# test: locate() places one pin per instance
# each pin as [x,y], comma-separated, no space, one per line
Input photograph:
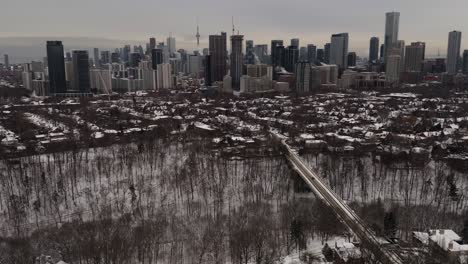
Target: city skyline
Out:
[254,23]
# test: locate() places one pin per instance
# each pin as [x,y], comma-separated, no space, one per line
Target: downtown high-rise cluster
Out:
[226,67]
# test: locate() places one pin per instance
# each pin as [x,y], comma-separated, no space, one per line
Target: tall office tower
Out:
[105,57]
[135,59]
[326,53]
[339,50]
[152,44]
[291,57]
[115,57]
[401,47]
[171,44]
[393,67]
[68,56]
[392,22]
[382,51]
[56,64]
[262,52]
[295,43]
[311,53]
[6,61]
[97,63]
[218,56]
[280,57]
[414,57]
[274,44]
[164,80]
[260,71]
[156,58]
[465,61]
[320,55]
[81,71]
[352,57]
[303,54]
[236,60]
[303,72]
[374,49]
[126,53]
[249,52]
[453,51]
[207,68]
[205,52]
[420,44]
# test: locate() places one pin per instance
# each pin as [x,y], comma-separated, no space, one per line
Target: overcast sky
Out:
[261,20]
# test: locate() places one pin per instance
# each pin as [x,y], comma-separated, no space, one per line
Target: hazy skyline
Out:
[260,20]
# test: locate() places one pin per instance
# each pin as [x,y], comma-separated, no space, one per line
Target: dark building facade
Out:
[156,58]
[326,53]
[374,49]
[218,56]
[465,62]
[207,67]
[135,59]
[81,71]
[311,53]
[352,59]
[56,64]
[320,55]
[291,58]
[115,57]
[105,57]
[274,45]
[249,52]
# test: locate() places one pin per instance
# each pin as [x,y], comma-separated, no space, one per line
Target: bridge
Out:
[341,209]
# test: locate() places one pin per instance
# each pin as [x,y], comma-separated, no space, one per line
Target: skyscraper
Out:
[81,71]
[453,51]
[152,44]
[125,53]
[326,53]
[218,56]
[262,52]
[115,57]
[339,50]
[311,53]
[236,60]
[303,53]
[352,57]
[105,57]
[303,72]
[392,23]
[320,55]
[171,44]
[56,64]
[420,44]
[295,43]
[97,63]
[274,44]
[135,59]
[465,61]
[291,56]
[279,57]
[249,52]
[156,58]
[6,61]
[382,51]
[414,57]
[207,69]
[374,49]
[401,47]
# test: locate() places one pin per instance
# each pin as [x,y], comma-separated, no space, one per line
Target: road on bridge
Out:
[343,211]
